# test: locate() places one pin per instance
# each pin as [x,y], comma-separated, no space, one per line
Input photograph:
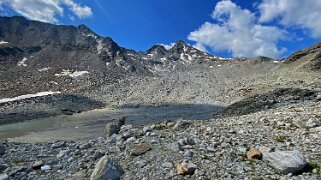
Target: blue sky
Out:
[274,28]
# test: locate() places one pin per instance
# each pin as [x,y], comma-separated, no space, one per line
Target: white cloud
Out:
[304,13]
[168,46]
[200,47]
[46,10]
[80,11]
[238,32]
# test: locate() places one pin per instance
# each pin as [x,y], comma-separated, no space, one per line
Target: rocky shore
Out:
[278,143]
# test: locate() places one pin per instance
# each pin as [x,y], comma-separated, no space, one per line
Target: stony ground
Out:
[213,149]
[278,120]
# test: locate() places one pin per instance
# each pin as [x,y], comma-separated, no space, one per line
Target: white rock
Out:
[286,161]
[45,168]
[311,123]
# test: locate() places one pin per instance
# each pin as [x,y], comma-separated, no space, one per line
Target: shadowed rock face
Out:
[46,106]
[268,100]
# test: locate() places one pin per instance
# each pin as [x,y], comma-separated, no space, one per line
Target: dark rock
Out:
[3,167]
[2,149]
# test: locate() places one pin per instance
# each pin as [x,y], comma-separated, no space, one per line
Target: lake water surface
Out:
[91,124]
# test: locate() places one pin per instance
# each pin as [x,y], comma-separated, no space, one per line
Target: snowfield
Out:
[28,96]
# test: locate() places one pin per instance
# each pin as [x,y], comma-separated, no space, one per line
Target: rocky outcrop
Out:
[306,59]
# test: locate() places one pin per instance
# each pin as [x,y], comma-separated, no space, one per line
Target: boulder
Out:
[4,177]
[45,168]
[312,123]
[254,153]
[107,169]
[114,127]
[140,149]
[37,164]
[286,161]
[186,168]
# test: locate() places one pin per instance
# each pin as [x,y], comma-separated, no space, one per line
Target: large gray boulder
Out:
[107,169]
[285,161]
[114,127]
[4,177]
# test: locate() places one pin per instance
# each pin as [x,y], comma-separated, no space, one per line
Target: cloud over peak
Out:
[236,30]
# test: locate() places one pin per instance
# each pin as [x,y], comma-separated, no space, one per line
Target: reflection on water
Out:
[91,124]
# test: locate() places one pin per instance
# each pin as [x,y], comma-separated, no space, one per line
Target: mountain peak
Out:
[180,47]
[181,43]
[158,50]
[84,28]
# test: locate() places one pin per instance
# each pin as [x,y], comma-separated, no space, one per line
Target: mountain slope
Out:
[309,58]
[37,56]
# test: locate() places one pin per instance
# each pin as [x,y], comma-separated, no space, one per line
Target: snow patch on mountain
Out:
[99,46]
[28,96]
[72,74]
[90,35]
[44,69]
[3,42]
[22,62]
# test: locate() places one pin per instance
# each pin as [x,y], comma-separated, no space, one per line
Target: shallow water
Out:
[91,124]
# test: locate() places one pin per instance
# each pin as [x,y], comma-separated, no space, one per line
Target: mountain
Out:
[37,56]
[309,58]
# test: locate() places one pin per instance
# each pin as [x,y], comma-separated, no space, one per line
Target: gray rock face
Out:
[286,161]
[107,169]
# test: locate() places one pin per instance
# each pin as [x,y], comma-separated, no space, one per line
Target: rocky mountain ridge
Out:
[67,58]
